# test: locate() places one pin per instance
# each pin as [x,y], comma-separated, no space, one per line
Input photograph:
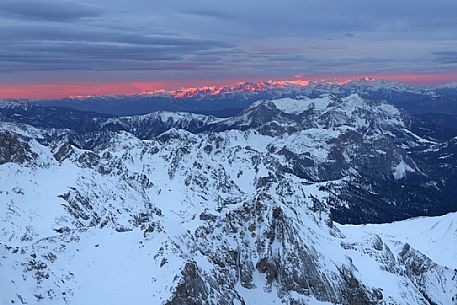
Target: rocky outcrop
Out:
[14,149]
[191,289]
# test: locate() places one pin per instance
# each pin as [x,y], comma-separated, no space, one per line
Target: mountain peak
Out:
[184,200]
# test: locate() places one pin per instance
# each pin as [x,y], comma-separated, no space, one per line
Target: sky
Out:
[52,48]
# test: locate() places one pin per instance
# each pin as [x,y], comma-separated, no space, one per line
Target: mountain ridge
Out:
[231,100]
[182,208]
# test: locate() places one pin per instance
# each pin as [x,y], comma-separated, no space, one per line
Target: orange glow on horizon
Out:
[74,89]
[190,88]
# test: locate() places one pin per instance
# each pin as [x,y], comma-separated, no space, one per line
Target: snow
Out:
[435,237]
[259,296]
[452,85]
[399,170]
[125,261]
[179,178]
[289,105]
[29,191]
[164,116]
[419,139]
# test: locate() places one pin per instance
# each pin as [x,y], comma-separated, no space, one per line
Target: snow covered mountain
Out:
[182,208]
[435,237]
[225,101]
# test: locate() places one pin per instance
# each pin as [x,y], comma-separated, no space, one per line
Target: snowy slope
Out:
[435,237]
[239,211]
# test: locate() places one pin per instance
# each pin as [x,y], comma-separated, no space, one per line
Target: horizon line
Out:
[85,89]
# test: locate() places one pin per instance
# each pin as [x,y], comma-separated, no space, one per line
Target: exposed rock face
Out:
[14,149]
[186,209]
[191,290]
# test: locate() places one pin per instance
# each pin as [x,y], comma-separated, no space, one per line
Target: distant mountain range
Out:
[224,101]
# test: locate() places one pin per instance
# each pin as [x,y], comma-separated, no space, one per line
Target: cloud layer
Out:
[181,40]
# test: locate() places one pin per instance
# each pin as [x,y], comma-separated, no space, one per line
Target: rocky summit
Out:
[269,206]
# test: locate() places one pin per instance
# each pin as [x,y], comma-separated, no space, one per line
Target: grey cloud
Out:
[446,57]
[277,57]
[69,34]
[51,47]
[312,18]
[211,13]
[49,10]
[203,38]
